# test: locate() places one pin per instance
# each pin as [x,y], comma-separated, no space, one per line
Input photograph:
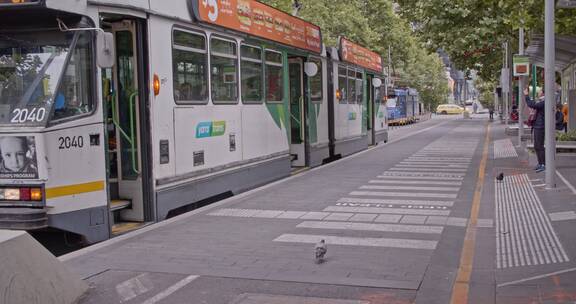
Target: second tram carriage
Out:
[115,113]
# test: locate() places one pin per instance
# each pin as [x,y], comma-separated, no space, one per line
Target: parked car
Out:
[449,109]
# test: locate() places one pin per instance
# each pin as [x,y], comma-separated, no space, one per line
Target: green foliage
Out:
[375,25]
[570,136]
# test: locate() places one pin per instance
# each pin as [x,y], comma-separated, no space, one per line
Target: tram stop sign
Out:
[566,4]
[521,65]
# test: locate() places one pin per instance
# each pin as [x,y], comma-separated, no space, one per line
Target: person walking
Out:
[565,113]
[538,126]
[491,111]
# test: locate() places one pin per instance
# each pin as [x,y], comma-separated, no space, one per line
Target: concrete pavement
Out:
[396,219]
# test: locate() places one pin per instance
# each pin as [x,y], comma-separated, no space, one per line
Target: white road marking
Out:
[429,169]
[350,241]
[423,174]
[409,182]
[566,182]
[372,227]
[134,287]
[562,216]
[371,202]
[379,210]
[170,290]
[378,187]
[403,194]
[419,177]
[536,277]
[428,165]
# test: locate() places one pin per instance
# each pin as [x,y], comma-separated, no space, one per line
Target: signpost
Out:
[521,65]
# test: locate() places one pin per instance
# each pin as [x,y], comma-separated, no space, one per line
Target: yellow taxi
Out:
[449,109]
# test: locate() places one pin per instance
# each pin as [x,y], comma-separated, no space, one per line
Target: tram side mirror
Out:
[376,82]
[106,53]
[311,69]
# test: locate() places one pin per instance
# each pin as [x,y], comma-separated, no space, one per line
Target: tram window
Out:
[224,71]
[74,93]
[342,84]
[316,83]
[274,77]
[359,87]
[252,74]
[190,68]
[351,86]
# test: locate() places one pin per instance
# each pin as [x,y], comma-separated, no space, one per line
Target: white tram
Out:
[113,113]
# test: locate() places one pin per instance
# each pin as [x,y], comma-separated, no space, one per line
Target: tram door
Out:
[297,113]
[124,136]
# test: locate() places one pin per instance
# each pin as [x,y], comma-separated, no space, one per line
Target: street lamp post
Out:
[520,93]
[549,85]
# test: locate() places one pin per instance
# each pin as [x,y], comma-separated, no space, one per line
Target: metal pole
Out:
[549,89]
[521,93]
[505,95]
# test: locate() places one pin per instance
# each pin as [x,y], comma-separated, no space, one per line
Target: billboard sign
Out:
[260,20]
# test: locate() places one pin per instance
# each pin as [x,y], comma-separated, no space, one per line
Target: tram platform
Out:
[397,218]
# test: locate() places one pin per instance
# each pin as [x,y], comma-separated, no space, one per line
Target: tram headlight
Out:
[12,194]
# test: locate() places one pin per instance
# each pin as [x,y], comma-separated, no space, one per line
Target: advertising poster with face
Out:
[18,157]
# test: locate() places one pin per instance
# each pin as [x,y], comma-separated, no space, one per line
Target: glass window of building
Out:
[189,64]
[274,77]
[224,71]
[252,74]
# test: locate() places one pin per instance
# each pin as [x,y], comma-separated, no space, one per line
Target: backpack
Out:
[531,117]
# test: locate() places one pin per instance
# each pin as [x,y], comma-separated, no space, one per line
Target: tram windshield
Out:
[44,74]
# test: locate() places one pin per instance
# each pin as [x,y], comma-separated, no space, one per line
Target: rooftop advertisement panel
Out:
[261,20]
[353,53]
[18,2]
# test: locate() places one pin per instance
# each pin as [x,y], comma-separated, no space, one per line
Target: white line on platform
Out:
[133,287]
[536,277]
[378,187]
[372,227]
[402,194]
[375,201]
[411,182]
[431,164]
[429,169]
[568,184]
[424,174]
[378,210]
[350,241]
[419,177]
[170,290]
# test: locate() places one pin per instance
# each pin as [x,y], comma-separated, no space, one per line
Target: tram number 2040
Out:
[70,142]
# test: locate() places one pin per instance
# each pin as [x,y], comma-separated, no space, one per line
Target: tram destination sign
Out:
[356,54]
[19,2]
[260,20]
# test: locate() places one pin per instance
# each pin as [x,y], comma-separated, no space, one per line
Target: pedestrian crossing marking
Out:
[410,182]
[352,241]
[372,227]
[415,188]
[403,194]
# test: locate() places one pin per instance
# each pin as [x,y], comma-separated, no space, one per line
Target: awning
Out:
[565,51]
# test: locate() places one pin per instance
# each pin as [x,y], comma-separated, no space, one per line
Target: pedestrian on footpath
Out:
[565,113]
[559,118]
[491,111]
[537,121]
